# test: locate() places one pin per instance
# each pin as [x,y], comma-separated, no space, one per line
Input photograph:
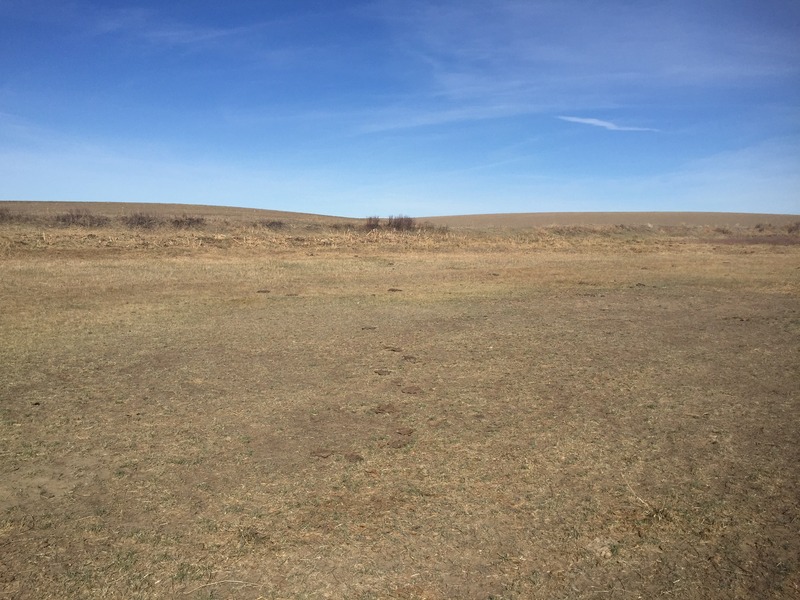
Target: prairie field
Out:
[201,402]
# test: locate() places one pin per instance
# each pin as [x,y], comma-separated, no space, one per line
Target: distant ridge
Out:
[477,221]
[42,207]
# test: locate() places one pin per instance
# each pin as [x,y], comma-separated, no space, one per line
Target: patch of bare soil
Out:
[612,418]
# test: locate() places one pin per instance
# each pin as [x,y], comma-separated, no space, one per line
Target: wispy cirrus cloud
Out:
[149,26]
[558,54]
[604,124]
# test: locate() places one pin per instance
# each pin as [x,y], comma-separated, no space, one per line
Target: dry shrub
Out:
[270,224]
[346,227]
[188,222]
[396,223]
[81,218]
[401,223]
[568,230]
[141,221]
[6,216]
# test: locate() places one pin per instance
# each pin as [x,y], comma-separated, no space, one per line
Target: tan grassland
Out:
[673,219]
[228,403]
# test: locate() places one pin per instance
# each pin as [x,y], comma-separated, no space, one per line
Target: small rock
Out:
[385,409]
[393,348]
[353,457]
[412,389]
[602,548]
[405,431]
[262,291]
[382,372]
[368,328]
[395,290]
[322,453]
[399,443]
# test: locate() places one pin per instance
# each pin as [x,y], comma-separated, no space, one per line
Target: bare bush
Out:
[271,224]
[141,221]
[188,222]
[401,223]
[6,216]
[81,218]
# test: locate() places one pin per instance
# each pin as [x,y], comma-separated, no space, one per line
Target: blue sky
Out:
[357,108]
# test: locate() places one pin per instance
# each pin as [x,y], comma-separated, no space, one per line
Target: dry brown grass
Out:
[646,219]
[249,412]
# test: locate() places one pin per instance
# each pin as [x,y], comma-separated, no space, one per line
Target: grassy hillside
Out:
[657,219]
[176,229]
[218,403]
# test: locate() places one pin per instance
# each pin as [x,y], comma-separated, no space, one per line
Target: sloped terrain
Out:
[318,411]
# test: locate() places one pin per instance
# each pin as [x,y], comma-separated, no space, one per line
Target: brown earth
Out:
[317,411]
